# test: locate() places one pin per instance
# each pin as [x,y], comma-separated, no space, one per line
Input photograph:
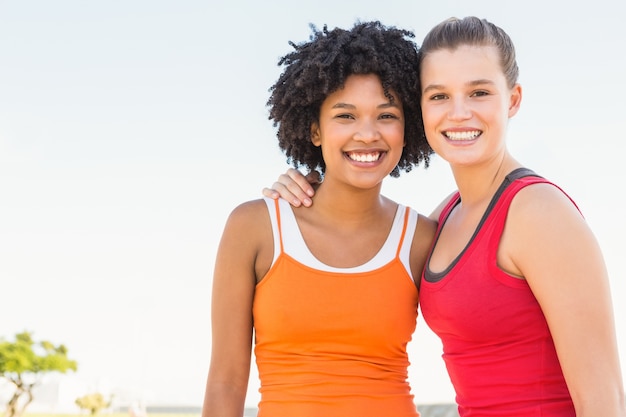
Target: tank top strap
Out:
[279,225]
[454,200]
[289,241]
[273,209]
[499,207]
[511,178]
[403,233]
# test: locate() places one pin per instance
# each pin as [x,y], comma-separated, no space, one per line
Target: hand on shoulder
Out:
[295,187]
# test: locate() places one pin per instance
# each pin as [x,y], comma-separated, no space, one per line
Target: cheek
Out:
[429,122]
[396,136]
[391,130]
[433,143]
[430,129]
[429,114]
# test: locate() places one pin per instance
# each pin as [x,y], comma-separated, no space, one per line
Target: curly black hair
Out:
[320,67]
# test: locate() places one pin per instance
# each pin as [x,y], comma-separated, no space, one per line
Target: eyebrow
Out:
[387,105]
[472,83]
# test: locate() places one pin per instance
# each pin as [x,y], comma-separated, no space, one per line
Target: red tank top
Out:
[496,343]
[333,344]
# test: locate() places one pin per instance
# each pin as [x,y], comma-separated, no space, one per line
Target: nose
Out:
[367,131]
[459,110]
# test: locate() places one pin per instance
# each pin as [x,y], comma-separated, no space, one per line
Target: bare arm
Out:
[294,187]
[552,247]
[241,256]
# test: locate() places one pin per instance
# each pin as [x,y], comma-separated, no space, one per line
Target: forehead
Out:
[464,62]
[360,87]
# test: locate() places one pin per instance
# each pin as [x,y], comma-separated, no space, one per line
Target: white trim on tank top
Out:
[295,246]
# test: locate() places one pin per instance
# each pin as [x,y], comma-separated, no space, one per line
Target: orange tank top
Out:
[332,341]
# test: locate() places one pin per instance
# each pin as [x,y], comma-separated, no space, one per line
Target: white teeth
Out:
[364,157]
[462,135]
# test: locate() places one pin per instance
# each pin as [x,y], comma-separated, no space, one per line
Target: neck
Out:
[346,204]
[478,183]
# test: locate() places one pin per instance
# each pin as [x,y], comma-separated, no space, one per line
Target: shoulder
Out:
[249,218]
[437,211]
[425,227]
[249,211]
[543,214]
[425,230]
[247,241]
[543,228]
[542,201]
[422,242]
[423,236]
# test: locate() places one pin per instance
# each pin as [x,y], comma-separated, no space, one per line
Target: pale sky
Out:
[129,129]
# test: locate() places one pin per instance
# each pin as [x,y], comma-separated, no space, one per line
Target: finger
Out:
[270,193]
[291,184]
[298,184]
[294,183]
[283,191]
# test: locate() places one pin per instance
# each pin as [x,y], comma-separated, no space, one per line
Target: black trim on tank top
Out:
[516,174]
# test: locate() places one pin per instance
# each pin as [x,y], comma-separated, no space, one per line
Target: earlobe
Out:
[315,134]
[515,100]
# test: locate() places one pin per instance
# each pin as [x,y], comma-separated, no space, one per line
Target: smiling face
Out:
[466,104]
[360,132]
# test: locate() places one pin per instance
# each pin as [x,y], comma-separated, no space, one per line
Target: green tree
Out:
[23,362]
[93,403]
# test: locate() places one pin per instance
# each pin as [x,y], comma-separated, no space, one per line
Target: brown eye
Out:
[438,97]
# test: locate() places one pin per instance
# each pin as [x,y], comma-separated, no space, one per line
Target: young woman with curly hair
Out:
[329,292]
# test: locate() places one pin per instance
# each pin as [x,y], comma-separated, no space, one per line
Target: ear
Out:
[315,134]
[515,100]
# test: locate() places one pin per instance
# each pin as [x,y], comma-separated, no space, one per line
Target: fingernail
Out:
[307,202]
